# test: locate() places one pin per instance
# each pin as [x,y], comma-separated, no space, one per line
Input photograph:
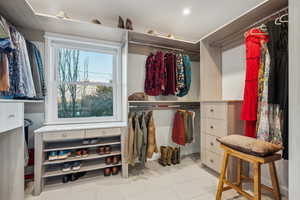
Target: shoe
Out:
[129,24]
[53,155]
[174,156]
[108,160]
[163,156]
[78,153]
[85,153]
[86,142]
[66,178]
[107,150]
[169,156]
[121,23]
[101,150]
[76,176]
[107,172]
[76,166]
[63,155]
[114,170]
[94,141]
[115,160]
[66,167]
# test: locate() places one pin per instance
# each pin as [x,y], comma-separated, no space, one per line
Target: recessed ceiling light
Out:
[186,11]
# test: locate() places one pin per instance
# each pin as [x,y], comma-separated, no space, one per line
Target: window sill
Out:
[70,127]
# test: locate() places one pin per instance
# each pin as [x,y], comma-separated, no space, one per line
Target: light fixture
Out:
[186,11]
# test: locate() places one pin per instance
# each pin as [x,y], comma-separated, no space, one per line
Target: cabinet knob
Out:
[64,135]
[211,144]
[211,160]
[211,127]
[211,110]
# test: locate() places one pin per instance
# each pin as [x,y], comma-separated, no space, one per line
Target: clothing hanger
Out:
[262,27]
[282,20]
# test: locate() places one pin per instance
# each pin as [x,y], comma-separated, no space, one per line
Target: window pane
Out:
[84,84]
[77,66]
[76,101]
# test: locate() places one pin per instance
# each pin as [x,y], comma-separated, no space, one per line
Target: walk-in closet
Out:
[181,100]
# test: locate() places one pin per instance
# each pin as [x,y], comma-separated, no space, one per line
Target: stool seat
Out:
[257,161]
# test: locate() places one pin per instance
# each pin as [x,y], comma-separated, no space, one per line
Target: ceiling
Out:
[164,16]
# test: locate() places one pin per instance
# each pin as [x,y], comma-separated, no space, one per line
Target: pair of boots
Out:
[169,155]
[122,25]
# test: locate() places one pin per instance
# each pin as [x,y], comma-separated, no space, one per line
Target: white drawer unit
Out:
[105,132]
[63,135]
[11,116]
[218,119]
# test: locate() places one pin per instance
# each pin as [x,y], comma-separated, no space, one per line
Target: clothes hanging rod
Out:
[240,33]
[164,107]
[162,47]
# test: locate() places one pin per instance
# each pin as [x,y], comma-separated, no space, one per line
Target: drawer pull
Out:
[211,144]
[64,135]
[11,116]
[211,160]
[211,110]
[211,127]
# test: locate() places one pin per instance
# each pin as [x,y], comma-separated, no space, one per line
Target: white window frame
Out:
[51,109]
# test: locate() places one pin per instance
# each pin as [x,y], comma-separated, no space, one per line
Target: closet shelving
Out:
[92,164]
[20,101]
[163,105]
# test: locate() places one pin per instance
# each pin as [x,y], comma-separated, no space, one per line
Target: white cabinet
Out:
[11,116]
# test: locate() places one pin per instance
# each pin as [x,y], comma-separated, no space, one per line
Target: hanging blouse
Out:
[187,76]
[170,62]
[155,74]
[180,76]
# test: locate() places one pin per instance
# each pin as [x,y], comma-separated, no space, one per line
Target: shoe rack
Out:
[48,173]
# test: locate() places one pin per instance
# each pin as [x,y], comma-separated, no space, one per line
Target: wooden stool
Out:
[256,161]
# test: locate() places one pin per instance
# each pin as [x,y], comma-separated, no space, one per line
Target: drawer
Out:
[214,111]
[63,135]
[215,127]
[211,144]
[213,161]
[106,132]
[11,116]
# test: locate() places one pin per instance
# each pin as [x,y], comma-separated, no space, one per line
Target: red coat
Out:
[178,133]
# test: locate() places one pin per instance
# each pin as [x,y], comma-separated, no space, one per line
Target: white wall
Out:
[164,118]
[233,79]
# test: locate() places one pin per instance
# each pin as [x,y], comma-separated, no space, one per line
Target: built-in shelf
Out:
[98,164]
[20,101]
[174,101]
[56,182]
[91,156]
[59,146]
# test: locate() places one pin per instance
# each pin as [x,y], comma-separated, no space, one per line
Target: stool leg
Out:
[257,181]
[222,176]
[238,172]
[274,178]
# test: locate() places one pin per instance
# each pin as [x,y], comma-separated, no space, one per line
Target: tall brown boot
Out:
[178,155]
[169,158]
[174,156]
[121,23]
[163,156]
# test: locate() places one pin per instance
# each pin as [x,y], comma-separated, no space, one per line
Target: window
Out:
[84,81]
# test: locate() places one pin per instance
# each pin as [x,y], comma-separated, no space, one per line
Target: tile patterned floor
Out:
[187,181]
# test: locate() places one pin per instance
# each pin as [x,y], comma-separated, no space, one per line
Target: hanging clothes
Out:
[170,62]
[155,74]
[6,47]
[187,76]
[263,128]
[152,145]
[249,108]
[189,127]
[278,81]
[130,142]
[21,76]
[180,75]
[178,132]
[139,137]
[37,69]
[143,154]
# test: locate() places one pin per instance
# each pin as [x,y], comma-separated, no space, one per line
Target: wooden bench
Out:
[257,162]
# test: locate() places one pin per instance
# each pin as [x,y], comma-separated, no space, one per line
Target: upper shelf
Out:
[236,27]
